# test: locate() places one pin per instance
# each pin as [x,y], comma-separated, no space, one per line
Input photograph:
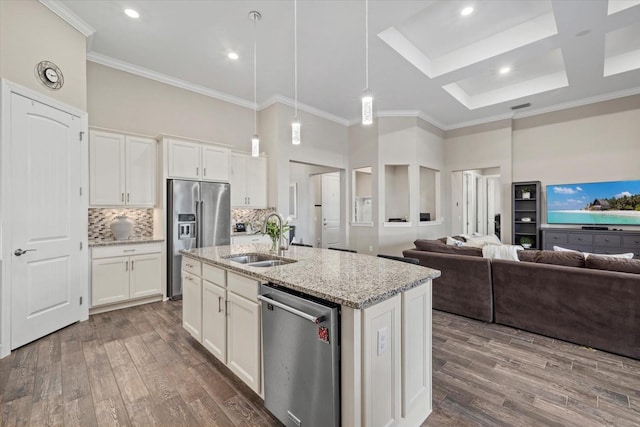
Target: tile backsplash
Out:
[255,217]
[100,222]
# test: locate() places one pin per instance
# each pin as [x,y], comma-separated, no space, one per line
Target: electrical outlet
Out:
[370,248]
[382,341]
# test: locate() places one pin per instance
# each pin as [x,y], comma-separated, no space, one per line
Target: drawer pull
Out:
[126,266]
[189,265]
[219,304]
[129,250]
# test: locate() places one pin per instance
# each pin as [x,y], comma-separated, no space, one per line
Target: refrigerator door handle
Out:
[201,222]
[197,224]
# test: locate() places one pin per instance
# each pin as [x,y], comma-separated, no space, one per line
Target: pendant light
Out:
[255,140]
[367,98]
[295,124]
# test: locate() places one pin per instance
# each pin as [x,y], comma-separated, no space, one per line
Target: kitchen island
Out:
[385,322]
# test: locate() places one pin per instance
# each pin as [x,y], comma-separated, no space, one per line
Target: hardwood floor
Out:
[139,367]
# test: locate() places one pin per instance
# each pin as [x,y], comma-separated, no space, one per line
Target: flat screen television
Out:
[594,203]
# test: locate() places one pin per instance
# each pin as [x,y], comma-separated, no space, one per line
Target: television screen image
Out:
[594,203]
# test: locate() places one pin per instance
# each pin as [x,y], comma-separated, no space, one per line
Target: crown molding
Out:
[579,103]
[163,78]
[303,107]
[68,16]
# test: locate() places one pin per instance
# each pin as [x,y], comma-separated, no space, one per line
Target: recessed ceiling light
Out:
[233,56]
[132,13]
[466,11]
[505,70]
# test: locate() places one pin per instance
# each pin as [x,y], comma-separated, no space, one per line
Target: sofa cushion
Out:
[566,259]
[527,256]
[439,247]
[628,255]
[613,264]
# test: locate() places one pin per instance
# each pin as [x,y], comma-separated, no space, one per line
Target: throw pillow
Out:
[527,256]
[614,264]
[491,239]
[439,247]
[454,242]
[628,255]
[564,258]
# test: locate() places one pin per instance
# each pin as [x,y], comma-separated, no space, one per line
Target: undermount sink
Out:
[260,260]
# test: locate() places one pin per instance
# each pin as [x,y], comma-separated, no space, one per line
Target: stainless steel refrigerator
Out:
[198,216]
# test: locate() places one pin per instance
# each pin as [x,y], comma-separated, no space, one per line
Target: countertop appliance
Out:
[198,216]
[301,342]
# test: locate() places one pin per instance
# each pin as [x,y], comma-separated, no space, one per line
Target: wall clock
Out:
[50,75]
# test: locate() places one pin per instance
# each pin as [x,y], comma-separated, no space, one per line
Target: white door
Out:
[214,320]
[47,220]
[106,168]
[144,275]
[243,340]
[109,280]
[184,159]
[330,209]
[192,305]
[215,164]
[141,171]
[257,182]
[238,180]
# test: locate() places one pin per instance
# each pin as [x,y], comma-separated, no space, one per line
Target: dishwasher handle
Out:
[292,310]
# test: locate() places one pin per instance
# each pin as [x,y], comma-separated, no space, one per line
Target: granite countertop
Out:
[113,242]
[353,280]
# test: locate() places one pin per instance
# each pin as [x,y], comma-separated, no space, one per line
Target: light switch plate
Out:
[382,341]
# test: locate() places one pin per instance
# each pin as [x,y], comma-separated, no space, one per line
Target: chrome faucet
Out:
[281,247]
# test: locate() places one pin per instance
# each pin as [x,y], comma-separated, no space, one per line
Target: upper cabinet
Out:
[192,160]
[248,181]
[122,170]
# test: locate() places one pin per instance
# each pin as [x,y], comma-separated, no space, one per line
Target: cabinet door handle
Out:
[220,304]
[204,170]
[122,197]
[197,170]
[126,266]
[132,265]
[226,307]
[127,197]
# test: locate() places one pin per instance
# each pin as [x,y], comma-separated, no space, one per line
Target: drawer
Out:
[192,266]
[214,275]
[581,239]
[125,250]
[631,242]
[605,240]
[604,250]
[554,238]
[249,239]
[242,285]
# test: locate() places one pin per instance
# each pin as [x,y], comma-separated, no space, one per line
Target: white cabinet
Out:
[192,160]
[122,170]
[126,272]
[243,329]
[221,310]
[248,181]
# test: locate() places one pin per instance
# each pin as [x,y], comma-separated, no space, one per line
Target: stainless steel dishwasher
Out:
[301,347]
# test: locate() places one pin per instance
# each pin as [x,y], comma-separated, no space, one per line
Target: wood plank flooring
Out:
[138,367]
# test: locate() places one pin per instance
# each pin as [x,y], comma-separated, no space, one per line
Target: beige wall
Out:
[30,33]
[477,147]
[126,102]
[597,142]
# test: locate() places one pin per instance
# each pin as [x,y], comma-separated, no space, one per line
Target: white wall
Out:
[30,33]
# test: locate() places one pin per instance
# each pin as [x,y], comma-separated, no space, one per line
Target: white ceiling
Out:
[424,58]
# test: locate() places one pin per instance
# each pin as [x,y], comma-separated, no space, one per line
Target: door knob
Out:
[19,252]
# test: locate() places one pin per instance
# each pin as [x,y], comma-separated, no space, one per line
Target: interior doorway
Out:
[319,205]
[477,201]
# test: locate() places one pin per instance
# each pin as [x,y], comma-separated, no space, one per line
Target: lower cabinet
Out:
[123,273]
[220,309]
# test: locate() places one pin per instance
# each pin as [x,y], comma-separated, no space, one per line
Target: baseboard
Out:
[124,304]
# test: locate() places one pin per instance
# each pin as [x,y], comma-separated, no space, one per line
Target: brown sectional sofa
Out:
[593,302]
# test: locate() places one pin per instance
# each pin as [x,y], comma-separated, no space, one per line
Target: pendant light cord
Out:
[255,84]
[366,41]
[295,54]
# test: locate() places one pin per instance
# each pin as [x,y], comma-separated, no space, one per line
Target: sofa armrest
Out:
[464,286]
